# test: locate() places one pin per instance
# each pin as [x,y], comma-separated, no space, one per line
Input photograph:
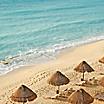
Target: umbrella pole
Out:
[57,92]
[58,89]
[83,76]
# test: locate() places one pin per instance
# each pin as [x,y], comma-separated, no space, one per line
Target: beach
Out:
[35,76]
[41,37]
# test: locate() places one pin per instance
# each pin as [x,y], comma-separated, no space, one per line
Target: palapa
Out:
[80,97]
[102,60]
[101,81]
[84,67]
[99,96]
[23,94]
[58,79]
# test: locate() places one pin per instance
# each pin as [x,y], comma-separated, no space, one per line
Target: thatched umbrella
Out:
[58,79]
[83,67]
[101,81]
[102,60]
[100,96]
[80,97]
[23,94]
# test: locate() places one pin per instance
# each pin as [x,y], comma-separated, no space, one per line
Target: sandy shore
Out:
[35,76]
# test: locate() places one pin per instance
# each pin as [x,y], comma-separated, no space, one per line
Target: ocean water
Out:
[35,30]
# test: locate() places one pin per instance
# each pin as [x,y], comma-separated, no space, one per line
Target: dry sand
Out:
[35,76]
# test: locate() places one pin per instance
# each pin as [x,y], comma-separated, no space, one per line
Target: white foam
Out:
[42,55]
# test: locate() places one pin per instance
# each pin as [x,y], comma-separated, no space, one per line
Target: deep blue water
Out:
[30,29]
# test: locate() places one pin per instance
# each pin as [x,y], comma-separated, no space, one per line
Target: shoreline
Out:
[61,51]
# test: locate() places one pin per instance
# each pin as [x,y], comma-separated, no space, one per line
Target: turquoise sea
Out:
[35,30]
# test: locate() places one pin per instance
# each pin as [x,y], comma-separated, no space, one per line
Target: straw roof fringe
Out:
[80,97]
[83,67]
[101,81]
[58,79]
[23,94]
[102,60]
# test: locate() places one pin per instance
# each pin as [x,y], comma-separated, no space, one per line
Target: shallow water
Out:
[36,29]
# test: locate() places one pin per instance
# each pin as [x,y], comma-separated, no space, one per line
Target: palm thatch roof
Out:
[80,97]
[99,96]
[83,67]
[102,60]
[101,81]
[23,94]
[58,79]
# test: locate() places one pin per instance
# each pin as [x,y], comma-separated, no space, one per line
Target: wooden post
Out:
[57,92]
[23,102]
[83,76]
[59,89]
